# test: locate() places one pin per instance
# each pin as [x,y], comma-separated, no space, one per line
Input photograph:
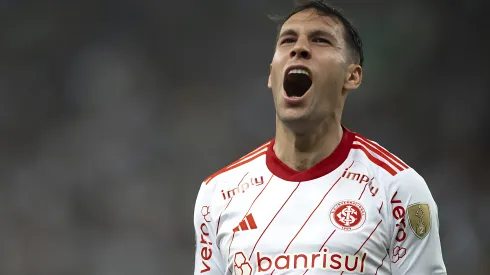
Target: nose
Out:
[300,50]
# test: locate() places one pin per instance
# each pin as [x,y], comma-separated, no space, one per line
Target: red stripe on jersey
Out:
[219,219]
[381,264]
[379,153]
[369,237]
[327,240]
[311,214]
[229,247]
[365,185]
[258,196]
[233,166]
[251,253]
[383,150]
[251,221]
[243,225]
[232,238]
[323,245]
[263,146]
[379,210]
[375,160]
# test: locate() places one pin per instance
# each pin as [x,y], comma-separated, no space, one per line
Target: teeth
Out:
[299,71]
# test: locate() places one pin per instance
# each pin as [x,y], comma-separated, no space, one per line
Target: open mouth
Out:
[297,81]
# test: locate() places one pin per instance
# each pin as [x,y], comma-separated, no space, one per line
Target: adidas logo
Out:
[246,224]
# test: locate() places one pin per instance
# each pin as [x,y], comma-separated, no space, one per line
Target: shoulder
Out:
[211,194]
[411,184]
[384,165]
[238,168]
[390,171]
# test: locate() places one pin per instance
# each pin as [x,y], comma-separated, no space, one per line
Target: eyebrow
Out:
[287,32]
[317,32]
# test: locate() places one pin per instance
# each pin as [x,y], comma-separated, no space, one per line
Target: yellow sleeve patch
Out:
[419,219]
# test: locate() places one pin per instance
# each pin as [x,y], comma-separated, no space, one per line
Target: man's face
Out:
[310,70]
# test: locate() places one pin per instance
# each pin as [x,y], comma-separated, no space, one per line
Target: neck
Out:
[302,151]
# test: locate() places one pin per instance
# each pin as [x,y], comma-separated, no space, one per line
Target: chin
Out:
[293,115]
[295,119]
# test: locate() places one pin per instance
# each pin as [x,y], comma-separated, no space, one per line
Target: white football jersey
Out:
[359,211]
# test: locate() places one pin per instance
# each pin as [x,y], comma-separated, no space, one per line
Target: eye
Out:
[288,40]
[321,40]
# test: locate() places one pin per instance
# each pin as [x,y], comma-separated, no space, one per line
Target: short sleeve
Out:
[208,259]
[415,243]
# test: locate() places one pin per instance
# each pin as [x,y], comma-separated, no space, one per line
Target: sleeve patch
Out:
[419,219]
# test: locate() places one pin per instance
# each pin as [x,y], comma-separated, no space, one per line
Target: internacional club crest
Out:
[348,215]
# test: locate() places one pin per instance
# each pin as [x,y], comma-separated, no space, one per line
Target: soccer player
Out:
[318,198]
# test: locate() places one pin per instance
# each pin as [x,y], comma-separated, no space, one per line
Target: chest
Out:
[318,222]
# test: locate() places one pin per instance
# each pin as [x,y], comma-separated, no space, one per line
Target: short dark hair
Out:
[351,35]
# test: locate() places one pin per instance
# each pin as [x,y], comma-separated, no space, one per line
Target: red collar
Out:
[332,162]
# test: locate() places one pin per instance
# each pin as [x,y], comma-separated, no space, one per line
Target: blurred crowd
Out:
[113,112]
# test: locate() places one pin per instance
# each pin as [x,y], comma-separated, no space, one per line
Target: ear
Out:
[269,83]
[353,77]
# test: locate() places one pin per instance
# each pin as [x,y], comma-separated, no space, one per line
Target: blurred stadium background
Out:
[113,112]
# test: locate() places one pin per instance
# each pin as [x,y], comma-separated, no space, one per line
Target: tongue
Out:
[296,85]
